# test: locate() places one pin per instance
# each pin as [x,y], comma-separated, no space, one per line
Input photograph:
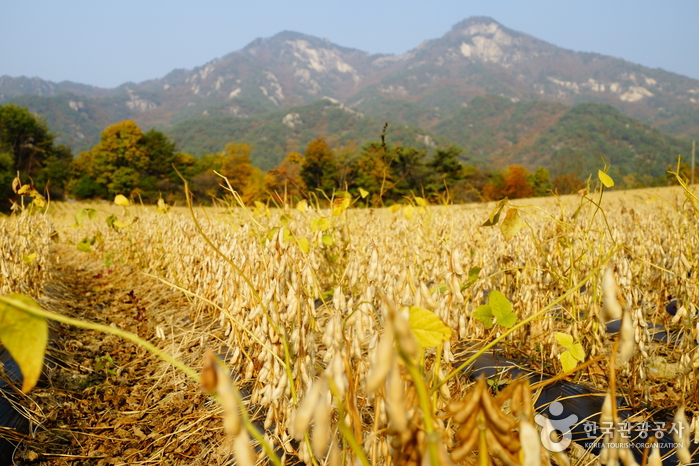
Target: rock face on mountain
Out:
[421,87]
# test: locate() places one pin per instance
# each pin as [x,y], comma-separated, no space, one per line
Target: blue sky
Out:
[108,43]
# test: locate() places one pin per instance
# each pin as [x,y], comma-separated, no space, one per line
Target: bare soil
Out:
[106,400]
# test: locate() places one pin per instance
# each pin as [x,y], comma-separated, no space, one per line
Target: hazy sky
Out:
[107,43]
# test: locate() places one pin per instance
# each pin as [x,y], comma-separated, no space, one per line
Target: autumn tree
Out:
[371,170]
[235,165]
[319,168]
[494,187]
[567,183]
[115,164]
[516,182]
[286,179]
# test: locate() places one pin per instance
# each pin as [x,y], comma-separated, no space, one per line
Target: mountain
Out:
[431,87]
[14,87]
[498,132]
[275,134]
[479,56]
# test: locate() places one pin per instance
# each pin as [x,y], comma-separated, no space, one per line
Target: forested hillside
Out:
[397,166]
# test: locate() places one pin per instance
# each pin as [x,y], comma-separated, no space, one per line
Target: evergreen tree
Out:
[447,170]
[26,146]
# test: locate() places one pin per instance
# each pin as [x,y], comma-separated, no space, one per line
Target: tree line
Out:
[128,161]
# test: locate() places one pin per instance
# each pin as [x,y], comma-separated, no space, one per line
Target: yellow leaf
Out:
[124,223]
[429,329]
[568,361]
[121,200]
[495,214]
[340,204]
[320,223]
[29,258]
[162,207]
[25,336]
[564,339]
[421,201]
[577,351]
[261,209]
[39,200]
[304,245]
[605,179]
[301,205]
[363,192]
[409,211]
[25,190]
[394,208]
[511,224]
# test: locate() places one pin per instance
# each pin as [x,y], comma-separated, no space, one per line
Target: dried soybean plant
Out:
[25,239]
[300,300]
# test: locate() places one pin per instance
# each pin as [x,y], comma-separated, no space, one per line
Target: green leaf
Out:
[271,232]
[82,214]
[499,303]
[320,223]
[287,235]
[327,240]
[495,214]
[511,224]
[363,192]
[605,179]
[484,314]
[429,329]
[25,336]
[564,339]
[108,258]
[578,352]
[84,244]
[304,245]
[502,309]
[472,277]
[439,288]
[506,320]
[568,361]
[110,221]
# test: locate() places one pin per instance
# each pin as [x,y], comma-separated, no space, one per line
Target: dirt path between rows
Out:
[107,401]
